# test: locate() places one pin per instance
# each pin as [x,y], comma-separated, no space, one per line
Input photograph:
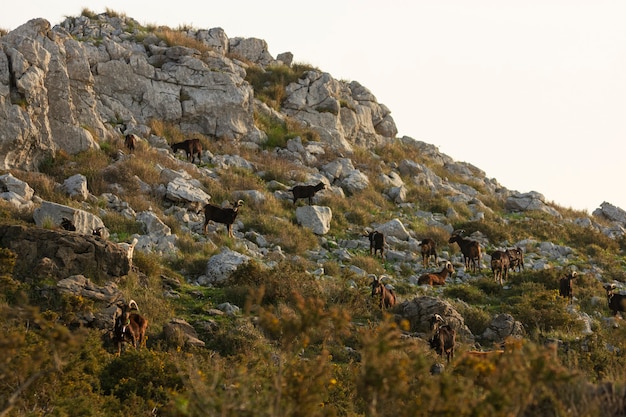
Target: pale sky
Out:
[532,92]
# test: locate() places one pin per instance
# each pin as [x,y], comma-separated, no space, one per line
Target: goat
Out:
[377,243]
[191,147]
[225,216]
[97,231]
[130,142]
[438,278]
[469,248]
[565,286]
[617,302]
[443,338]
[429,249]
[306,191]
[500,262]
[67,224]
[516,257]
[387,295]
[129,327]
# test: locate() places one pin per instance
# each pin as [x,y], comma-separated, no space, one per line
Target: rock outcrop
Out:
[94,78]
[60,253]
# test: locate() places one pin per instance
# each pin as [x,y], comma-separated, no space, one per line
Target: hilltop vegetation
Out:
[307,338]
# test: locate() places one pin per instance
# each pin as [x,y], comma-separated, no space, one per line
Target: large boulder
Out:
[316,218]
[501,327]
[16,192]
[610,212]
[531,201]
[60,253]
[420,310]
[221,266]
[50,214]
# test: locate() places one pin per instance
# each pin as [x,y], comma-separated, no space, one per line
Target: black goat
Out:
[565,286]
[617,302]
[429,249]
[443,338]
[67,224]
[129,327]
[306,191]
[377,243]
[191,147]
[516,257]
[130,142]
[225,216]
[387,295]
[97,231]
[470,249]
[500,262]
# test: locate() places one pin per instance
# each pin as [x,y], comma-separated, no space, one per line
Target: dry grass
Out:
[166,130]
[180,38]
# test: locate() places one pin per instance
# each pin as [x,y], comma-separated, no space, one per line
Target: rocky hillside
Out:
[88,222]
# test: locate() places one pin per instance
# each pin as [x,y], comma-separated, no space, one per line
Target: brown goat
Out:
[225,216]
[387,295]
[443,338]
[500,262]
[377,243]
[438,278]
[129,327]
[130,142]
[306,191]
[191,147]
[470,249]
[429,249]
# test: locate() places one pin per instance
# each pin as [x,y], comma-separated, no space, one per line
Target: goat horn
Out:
[131,303]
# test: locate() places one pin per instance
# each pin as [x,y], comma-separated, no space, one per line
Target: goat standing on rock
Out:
[225,216]
[306,191]
[129,327]
[469,248]
[387,295]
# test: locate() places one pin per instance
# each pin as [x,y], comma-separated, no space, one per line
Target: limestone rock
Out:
[420,310]
[52,214]
[221,266]
[611,213]
[180,190]
[528,202]
[76,187]
[179,331]
[316,218]
[81,286]
[393,228]
[16,192]
[501,327]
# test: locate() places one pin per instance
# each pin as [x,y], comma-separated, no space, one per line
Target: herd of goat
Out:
[130,326]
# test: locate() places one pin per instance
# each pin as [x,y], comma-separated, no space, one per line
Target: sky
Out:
[532,92]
